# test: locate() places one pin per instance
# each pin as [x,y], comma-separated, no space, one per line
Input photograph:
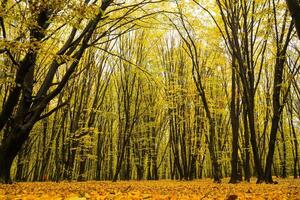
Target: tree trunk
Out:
[9,150]
[269,161]
[235,129]
[257,161]
[120,159]
[154,153]
[82,164]
[247,146]
[6,160]
[295,144]
[283,165]
[212,152]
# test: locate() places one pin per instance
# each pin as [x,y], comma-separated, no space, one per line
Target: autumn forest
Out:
[183,90]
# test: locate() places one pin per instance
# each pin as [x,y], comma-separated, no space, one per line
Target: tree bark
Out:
[235,127]
[9,150]
[247,145]
[257,161]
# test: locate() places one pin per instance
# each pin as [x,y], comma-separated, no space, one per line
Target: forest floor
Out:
[164,189]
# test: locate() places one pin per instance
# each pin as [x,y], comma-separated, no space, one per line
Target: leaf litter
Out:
[164,189]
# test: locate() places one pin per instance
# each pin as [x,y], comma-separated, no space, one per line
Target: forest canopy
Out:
[149,89]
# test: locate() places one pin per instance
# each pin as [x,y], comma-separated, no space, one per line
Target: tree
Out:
[282,41]
[234,118]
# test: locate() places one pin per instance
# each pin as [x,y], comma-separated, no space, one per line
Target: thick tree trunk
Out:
[9,150]
[6,160]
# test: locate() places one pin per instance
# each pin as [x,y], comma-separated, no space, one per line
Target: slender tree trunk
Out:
[257,161]
[212,152]
[154,154]
[120,159]
[295,144]
[247,145]
[269,161]
[82,164]
[235,128]
[283,163]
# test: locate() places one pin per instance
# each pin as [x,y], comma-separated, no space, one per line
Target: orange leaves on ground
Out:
[165,190]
